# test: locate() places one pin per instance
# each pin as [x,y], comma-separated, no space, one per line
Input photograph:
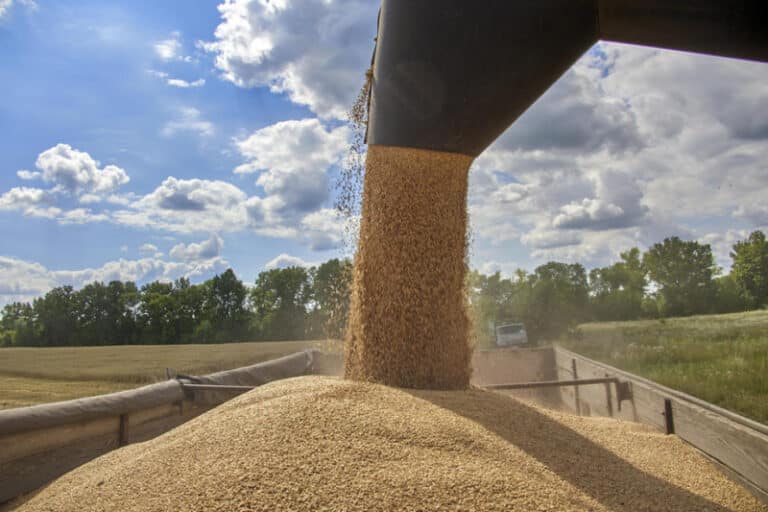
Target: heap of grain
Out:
[317,443]
[408,325]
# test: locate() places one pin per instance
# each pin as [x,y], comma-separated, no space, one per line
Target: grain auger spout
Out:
[452,75]
[449,76]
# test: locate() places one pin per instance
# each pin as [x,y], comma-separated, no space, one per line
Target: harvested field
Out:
[31,376]
[408,324]
[319,443]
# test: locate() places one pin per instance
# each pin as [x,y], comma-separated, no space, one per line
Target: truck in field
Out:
[511,335]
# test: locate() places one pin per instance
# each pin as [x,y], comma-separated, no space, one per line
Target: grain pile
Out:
[408,325]
[319,443]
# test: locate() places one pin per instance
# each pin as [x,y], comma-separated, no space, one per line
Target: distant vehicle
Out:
[511,335]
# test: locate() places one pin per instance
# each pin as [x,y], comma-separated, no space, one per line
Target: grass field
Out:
[722,359]
[30,376]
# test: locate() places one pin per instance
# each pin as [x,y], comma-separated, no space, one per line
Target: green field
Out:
[30,376]
[722,359]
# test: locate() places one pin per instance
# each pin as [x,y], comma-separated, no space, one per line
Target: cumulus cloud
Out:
[76,172]
[33,202]
[5,6]
[617,205]
[549,239]
[204,250]
[22,280]
[28,175]
[505,268]
[293,158]
[756,213]
[575,114]
[81,216]
[169,49]
[631,145]
[322,230]
[178,82]
[286,260]
[188,206]
[149,248]
[20,197]
[722,244]
[313,51]
[188,119]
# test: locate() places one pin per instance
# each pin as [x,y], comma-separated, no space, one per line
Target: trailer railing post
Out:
[669,420]
[576,387]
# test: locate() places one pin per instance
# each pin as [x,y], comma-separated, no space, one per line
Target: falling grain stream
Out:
[408,324]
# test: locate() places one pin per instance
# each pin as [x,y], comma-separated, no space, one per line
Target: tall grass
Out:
[722,359]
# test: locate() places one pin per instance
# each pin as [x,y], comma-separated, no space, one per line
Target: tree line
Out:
[672,278]
[283,304]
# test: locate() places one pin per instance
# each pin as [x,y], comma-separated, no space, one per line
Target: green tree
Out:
[226,309]
[106,313]
[730,296]
[330,294]
[559,299]
[18,326]
[750,268]
[617,291]
[280,298]
[56,317]
[190,310]
[490,299]
[683,272]
[157,314]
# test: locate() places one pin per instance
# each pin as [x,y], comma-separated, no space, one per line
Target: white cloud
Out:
[177,82]
[158,74]
[632,145]
[21,197]
[5,6]
[293,157]
[32,202]
[168,49]
[149,248]
[314,51]
[755,213]
[188,120]
[76,172]
[505,268]
[81,216]
[28,175]
[544,239]
[617,205]
[722,244]
[22,280]
[188,206]
[204,250]
[575,114]
[286,260]
[322,230]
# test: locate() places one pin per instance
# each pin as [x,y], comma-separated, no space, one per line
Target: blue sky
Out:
[146,140]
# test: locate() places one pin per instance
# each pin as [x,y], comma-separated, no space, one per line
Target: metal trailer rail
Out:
[623,390]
